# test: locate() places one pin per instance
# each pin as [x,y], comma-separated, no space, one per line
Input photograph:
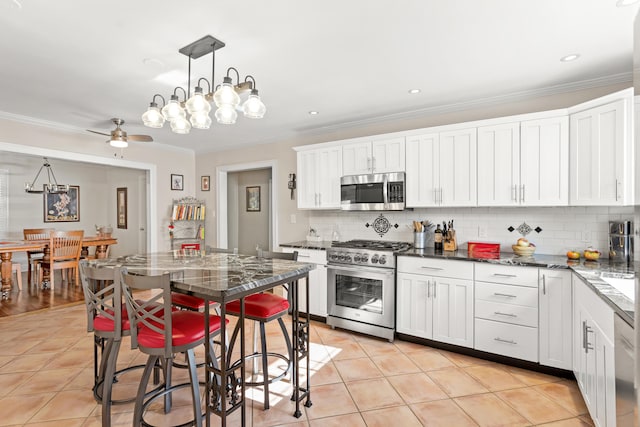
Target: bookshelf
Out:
[186,228]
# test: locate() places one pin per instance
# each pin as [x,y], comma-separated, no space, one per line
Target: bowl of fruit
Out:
[573,255]
[591,254]
[523,247]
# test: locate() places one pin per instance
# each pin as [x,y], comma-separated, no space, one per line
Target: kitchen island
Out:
[222,278]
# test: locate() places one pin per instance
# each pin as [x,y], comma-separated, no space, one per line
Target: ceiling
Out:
[76,64]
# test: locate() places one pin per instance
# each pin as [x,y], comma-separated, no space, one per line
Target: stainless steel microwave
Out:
[373,192]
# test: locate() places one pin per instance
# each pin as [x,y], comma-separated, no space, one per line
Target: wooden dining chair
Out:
[64,249]
[35,255]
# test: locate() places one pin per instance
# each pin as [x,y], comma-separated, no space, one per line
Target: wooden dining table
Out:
[9,247]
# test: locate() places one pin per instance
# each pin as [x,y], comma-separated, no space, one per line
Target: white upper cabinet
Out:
[385,155]
[524,163]
[319,173]
[441,169]
[601,155]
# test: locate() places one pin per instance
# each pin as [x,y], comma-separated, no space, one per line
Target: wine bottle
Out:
[437,238]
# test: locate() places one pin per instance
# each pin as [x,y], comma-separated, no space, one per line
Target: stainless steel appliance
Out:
[621,241]
[361,286]
[373,192]
[626,403]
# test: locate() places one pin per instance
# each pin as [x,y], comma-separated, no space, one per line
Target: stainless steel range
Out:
[361,286]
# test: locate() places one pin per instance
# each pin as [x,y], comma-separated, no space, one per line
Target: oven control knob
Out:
[347,258]
[333,257]
[357,258]
[374,259]
[364,258]
[383,259]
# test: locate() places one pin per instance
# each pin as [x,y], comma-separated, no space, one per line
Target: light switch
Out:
[293,219]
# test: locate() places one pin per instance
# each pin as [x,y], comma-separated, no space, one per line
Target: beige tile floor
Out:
[46,373]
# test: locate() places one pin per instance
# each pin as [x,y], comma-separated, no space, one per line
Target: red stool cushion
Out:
[189,301]
[187,327]
[260,305]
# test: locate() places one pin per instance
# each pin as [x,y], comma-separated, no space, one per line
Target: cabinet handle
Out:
[585,338]
[504,275]
[315,199]
[514,193]
[440,195]
[505,341]
[431,268]
[435,287]
[303,256]
[319,199]
[617,184]
[522,194]
[498,294]
[428,288]
[373,164]
[368,163]
[504,314]
[544,284]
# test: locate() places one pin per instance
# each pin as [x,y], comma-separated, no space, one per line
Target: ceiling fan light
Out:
[173,109]
[200,120]
[180,125]
[198,103]
[226,115]
[118,143]
[226,94]
[253,107]
[153,117]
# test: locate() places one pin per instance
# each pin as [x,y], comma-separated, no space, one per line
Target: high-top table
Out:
[8,247]
[222,278]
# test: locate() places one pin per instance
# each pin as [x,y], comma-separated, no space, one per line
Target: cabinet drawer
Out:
[507,294]
[309,255]
[520,342]
[435,267]
[508,313]
[522,276]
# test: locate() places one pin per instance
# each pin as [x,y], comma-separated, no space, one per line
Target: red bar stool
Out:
[264,308]
[161,337]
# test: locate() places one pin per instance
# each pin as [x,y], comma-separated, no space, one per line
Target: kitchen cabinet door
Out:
[599,144]
[458,168]
[555,325]
[388,155]
[453,312]
[356,158]
[544,162]
[318,178]
[414,312]
[423,170]
[499,165]
[317,281]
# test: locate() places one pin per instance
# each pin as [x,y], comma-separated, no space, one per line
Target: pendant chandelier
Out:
[198,105]
[51,187]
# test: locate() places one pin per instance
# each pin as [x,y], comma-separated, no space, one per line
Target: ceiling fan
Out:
[119,138]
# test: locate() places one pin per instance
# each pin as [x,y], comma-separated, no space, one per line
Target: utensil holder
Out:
[420,240]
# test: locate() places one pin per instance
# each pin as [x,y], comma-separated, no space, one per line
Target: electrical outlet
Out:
[293,219]
[482,231]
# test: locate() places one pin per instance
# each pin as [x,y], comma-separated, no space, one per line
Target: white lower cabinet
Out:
[317,281]
[593,354]
[555,318]
[435,300]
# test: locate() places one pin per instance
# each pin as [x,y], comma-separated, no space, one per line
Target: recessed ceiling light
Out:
[623,3]
[570,58]
[153,61]
[313,113]
[414,91]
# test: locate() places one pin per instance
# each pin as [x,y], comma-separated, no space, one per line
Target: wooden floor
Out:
[33,297]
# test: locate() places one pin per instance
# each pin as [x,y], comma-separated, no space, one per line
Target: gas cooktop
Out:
[372,253]
[374,245]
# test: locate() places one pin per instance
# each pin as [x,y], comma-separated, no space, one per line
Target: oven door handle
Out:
[359,269]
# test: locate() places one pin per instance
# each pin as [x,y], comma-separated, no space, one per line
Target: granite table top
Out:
[219,277]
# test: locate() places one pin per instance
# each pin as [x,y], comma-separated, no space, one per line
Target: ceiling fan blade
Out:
[142,138]
[99,133]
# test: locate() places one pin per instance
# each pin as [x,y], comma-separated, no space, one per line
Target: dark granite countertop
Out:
[305,244]
[594,273]
[221,277]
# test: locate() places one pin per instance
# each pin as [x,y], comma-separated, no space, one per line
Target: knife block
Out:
[450,242]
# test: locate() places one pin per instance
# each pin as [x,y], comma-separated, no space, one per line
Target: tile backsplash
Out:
[562,228]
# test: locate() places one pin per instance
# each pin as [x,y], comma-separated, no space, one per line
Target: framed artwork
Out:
[63,207]
[177,182]
[204,183]
[253,199]
[121,204]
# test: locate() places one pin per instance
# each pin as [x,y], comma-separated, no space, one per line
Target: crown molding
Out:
[477,103]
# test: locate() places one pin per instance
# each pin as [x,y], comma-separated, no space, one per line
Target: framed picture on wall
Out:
[177,182]
[253,199]
[62,207]
[121,207]
[204,183]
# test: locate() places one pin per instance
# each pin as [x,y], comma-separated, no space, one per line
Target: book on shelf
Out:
[188,212]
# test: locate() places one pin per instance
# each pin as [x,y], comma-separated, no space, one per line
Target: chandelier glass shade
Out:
[198,105]
[51,187]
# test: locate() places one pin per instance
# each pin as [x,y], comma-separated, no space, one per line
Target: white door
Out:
[328,173]
[356,158]
[499,165]
[544,162]
[414,305]
[388,155]
[142,199]
[453,311]
[307,180]
[458,168]
[555,327]
[423,169]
